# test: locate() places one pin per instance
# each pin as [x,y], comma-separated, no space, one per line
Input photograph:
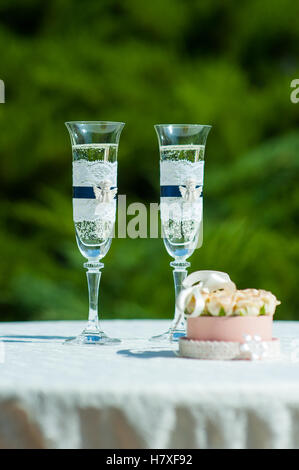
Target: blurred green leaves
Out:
[228,64]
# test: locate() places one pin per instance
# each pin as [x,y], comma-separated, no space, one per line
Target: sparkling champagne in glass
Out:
[94,149]
[182,148]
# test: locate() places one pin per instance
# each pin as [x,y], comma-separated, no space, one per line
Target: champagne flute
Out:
[182,148]
[94,149]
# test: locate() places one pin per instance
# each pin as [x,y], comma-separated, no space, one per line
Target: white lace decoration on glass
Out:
[94,215]
[187,205]
[93,174]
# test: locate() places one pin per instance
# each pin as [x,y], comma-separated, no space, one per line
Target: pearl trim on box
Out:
[222,350]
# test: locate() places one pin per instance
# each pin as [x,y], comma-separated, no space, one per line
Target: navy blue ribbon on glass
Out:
[85,192]
[172,191]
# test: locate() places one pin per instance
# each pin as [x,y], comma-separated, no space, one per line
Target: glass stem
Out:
[179,274]
[93,280]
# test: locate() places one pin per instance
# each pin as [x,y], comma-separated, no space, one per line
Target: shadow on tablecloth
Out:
[141,354]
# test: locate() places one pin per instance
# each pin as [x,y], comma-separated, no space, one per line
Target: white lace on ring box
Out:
[93,173]
[226,350]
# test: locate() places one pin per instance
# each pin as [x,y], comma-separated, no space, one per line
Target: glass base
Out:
[170,336]
[96,337]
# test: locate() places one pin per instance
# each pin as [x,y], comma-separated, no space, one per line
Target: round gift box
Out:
[229,328]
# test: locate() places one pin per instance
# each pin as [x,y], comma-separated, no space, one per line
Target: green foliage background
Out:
[228,64]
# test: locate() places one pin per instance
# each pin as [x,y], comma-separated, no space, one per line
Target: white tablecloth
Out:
[135,395]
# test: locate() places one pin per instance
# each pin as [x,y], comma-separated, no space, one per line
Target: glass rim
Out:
[94,122]
[182,125]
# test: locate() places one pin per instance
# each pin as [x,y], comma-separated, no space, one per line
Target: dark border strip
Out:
[172,191]
[85,192]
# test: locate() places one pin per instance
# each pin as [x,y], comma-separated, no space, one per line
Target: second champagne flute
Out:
[182,148]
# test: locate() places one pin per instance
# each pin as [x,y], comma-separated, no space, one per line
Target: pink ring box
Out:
[229,328]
